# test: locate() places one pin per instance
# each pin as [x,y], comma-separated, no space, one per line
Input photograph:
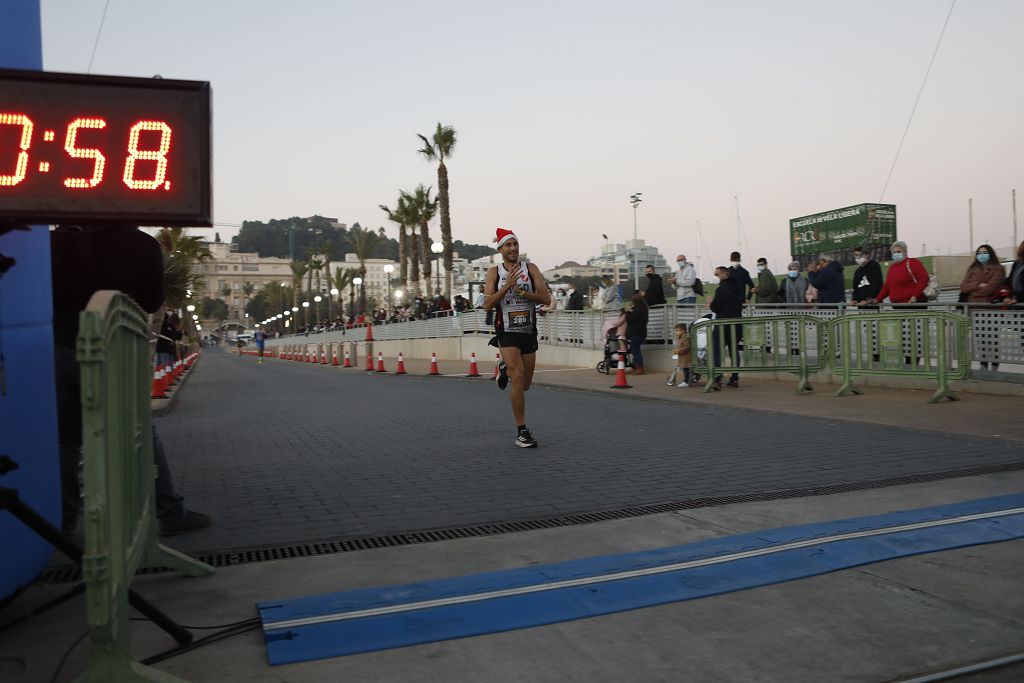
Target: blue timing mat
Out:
[334,624]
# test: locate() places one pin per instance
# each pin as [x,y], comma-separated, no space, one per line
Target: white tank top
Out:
[515,313]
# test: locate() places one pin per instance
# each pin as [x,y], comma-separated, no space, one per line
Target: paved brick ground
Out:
[289,452]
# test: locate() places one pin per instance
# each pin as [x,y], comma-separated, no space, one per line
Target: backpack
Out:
[698,287]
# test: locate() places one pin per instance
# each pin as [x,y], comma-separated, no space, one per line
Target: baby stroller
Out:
[701,344]
[611,353]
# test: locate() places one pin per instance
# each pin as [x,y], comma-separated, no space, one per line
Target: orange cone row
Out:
[169,374]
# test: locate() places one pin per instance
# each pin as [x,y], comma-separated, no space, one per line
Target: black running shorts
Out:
[526,343]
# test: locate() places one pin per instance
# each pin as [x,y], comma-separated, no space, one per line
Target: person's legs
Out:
[635,344]
[170,507]
[514,366]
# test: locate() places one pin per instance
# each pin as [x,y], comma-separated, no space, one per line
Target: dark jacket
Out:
[1015,280]
[742,276]
[728,301]
[110,257]
[654,295]
[867,281]
[169,334]
[575,302]
[636,322]
[829,283]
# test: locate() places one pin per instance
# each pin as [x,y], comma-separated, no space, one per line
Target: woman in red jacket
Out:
[906,280]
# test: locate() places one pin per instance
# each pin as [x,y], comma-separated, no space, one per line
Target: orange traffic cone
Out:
[400,368]
[323,354]
[473,372]
[348,360]
[497,362]
[620,375]
[334,355]
[380,362]
[369,332]
[158,384]
[433,365]
[369,361]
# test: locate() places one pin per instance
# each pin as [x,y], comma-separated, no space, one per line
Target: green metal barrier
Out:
[793,343]
[926,344]
[120,510]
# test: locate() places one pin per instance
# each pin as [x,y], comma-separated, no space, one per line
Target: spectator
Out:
[1015,280]
[84,261]
[681,355]
[727,303]
[561,299]
[827,277]
[684,279]
[574,299]
[767,289]
[166,342]
[740,274]
[867,279]
[655,292]
[906,280]
[793,289]
[984,276]
[982,281]
[608,295]
[636,330]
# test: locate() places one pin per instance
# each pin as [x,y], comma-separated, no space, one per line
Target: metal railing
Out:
[120,496]
[995,334]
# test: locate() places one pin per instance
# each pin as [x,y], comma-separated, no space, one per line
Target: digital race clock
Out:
[79,148]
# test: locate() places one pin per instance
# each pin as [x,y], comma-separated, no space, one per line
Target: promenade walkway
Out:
[285,454]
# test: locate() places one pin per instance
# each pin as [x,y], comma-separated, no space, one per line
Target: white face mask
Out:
[860,260]
[681,263]
[793,273]
[736,263]
[761,269]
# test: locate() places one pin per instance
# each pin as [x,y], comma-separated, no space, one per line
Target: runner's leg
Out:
[517,381]
[529,363]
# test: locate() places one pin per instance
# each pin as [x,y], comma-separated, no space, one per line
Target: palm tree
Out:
[247,289]
[401,216]
[440,147]
[422,209]
[181,254]
[341,279]
[363,243]
[298,270]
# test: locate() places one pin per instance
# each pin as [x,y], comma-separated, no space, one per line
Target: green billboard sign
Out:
[837,232]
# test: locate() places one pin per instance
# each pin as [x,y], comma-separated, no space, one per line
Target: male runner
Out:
[514,289]
[257,337]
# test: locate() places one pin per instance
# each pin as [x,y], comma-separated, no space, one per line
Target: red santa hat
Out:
[501,235]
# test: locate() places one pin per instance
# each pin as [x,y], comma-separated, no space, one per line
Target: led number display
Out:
[100,148]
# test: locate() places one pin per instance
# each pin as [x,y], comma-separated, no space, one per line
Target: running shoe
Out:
[526,440]
[502,376]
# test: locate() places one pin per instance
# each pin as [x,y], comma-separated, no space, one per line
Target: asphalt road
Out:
[288,452]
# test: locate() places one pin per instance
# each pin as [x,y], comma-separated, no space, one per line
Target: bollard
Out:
[380,362]
[400,368]
[433,365]
[348,360]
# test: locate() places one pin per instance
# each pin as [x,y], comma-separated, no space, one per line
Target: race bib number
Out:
[519,319]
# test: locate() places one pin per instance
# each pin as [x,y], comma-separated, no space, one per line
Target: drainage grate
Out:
[228,558]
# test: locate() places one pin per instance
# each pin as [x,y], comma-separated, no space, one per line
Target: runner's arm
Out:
[492,295]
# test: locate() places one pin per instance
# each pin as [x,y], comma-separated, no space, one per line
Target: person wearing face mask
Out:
[684,279]
[1015,280]
[767,286]
[793,289]
[827,277]
[867,279]
[906,280]
[741,274]
[984,276]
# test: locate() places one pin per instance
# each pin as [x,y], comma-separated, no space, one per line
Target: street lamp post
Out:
[438,248]
[334,293]
[388,269]
[305,314]
[635,200]
[318,299]
[356,282]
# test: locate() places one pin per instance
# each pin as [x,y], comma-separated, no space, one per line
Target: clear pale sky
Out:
[564,109]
